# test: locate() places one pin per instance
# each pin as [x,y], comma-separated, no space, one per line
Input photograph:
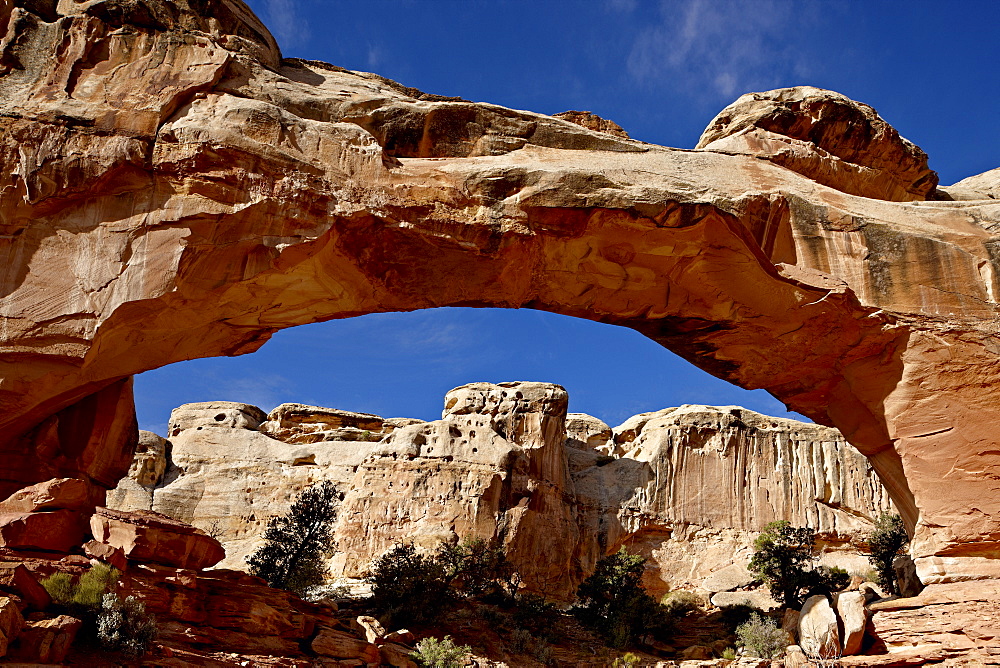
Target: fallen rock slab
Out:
[55,494]
[735,576]
[340,645]
[46,640]
[818,633]
[149,537]
[853,616]
[16,579]
[11,622]
[56,531]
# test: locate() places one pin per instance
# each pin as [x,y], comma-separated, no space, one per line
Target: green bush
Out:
[735,615]
[87,592]
[292,556]
[443,653]
[408,587]
[479,568]
[783,558]
[761,637]
[680,602]
[533,612]
[125,626]
[614,604]
[729,654]
[60,587]
[119,626]
[884,543]
[627,660]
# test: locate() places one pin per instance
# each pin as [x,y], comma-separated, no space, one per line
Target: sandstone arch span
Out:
[172,188]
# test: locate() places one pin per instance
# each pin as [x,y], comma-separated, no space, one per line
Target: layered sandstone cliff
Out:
[687,487]
[171,188]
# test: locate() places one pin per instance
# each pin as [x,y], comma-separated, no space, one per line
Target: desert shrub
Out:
[735,615]
[443,653]
[60,587]
[761,637]
[119,626]
[613,602]
[783,558]
[479,568]
[729,654]
[292,556]
[627,660]
[87,592]
[408,587]
[533,612]
[884,543]
[125,626]
[826,580]
[680,602]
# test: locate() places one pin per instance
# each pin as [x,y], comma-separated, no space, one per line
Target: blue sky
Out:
[661,70]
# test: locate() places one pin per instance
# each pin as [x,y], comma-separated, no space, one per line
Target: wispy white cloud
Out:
[721,47]
[286,23]
[376,56]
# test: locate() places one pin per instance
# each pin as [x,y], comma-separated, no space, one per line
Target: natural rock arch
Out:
[172,189]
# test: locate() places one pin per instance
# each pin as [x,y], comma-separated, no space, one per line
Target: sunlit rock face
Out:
[687,487]
[173,188]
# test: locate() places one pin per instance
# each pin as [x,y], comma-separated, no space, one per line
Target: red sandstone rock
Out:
[338,644]
[46,640]
[56,494]
[56,531]
[396,655]
[15,579]
[10,624]
[113,556]
[805,279]
[146,536]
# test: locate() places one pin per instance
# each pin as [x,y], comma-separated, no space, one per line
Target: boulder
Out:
[396,655]
[818,633]
[11,622]
[149,537]
[55,531]
[17,580]
[401,637]
[734,576]
[371,628]
[871,591]
[853,617]
[46,640]
[796,658]
[907,581]
[55,494]
[696,653]
[113,556]
[340,645]
[826,136]
[759,598]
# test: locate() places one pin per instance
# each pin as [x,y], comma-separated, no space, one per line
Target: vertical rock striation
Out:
[687,487]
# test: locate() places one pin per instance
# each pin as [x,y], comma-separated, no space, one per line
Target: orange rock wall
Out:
[172,188]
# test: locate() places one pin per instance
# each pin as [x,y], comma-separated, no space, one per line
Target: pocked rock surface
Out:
[687,487]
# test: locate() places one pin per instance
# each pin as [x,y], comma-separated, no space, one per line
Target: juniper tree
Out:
[884,543]
[294,544]
[783,558]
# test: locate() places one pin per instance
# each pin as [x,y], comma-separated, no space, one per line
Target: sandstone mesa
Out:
[173,188]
